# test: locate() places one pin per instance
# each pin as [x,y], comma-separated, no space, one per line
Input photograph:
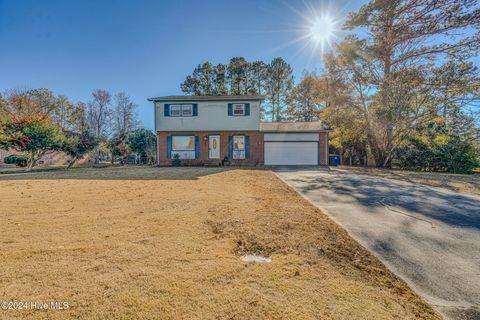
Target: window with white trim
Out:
[184,146]
[238,109]
[238,147]
[175,110]
[187,110]
[181,110]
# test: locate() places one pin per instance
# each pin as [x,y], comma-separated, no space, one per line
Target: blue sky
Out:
[145,48]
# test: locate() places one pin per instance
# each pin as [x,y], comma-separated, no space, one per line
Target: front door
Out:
[214,146]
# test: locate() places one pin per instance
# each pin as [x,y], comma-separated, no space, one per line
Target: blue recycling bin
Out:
[334,160]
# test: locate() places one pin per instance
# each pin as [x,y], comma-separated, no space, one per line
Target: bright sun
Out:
[319,31]
[322,30]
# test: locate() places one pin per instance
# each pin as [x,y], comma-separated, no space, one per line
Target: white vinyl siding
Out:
[212,116]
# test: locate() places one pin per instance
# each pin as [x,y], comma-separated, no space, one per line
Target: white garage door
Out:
[291,153]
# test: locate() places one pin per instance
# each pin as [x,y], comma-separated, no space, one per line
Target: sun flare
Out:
[322,29]
[318,31]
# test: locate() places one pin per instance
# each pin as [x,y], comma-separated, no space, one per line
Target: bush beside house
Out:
[450,154]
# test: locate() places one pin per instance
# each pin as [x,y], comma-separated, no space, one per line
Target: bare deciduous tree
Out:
[98,116]
[124,116]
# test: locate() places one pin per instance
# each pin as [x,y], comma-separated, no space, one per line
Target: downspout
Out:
[156,133]
[327,156]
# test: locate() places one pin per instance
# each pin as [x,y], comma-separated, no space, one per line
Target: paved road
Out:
[428,236]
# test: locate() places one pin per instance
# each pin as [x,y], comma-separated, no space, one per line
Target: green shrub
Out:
[176,161]
[458,156]
[455,155]
[16,159]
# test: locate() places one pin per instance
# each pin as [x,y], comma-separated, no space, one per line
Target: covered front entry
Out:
[291,148]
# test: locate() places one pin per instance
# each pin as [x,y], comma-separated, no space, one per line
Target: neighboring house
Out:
[204,130]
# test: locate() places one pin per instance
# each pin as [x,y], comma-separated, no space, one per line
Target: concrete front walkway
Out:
[430,237]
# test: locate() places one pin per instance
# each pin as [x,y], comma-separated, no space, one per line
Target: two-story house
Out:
[208,129]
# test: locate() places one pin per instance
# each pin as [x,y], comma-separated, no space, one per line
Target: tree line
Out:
[241,77]
[401,89]
[37,121]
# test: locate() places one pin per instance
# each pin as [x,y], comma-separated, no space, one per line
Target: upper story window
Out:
[187,110]
[181,110]
[238,109]
[175,110]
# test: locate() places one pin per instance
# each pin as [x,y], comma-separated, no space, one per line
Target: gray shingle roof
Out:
[314,126]
[208,98]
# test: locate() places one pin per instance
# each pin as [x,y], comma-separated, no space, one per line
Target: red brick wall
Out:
[256,148]
[323,148]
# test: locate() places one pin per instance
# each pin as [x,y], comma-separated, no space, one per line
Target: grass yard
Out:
[468,183]
[164,243]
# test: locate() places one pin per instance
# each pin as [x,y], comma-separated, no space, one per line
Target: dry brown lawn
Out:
[468,183]
[158,243]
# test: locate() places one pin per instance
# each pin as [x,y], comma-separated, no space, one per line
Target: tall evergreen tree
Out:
[278,86]
[191,86]
[205,74]
[237,76]
[458,92]
[220,80]
[241,77]
[257,76]
[404,41]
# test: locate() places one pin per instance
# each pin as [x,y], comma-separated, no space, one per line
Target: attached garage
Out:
[295,143]
[291,148]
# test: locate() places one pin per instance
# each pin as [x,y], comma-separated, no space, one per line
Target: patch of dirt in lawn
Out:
[170,249]
[468,183]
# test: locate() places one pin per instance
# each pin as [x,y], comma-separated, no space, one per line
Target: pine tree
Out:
[257,76]
[404,40]
[237,76]
[278,86]
[220,80]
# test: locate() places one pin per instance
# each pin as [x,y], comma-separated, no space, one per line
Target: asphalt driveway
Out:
[428,236]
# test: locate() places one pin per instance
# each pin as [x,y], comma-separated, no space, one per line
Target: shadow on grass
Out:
[112,173]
